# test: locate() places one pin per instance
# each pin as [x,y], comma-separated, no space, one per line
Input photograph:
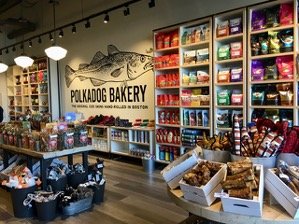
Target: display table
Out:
[271,214]
[45,158]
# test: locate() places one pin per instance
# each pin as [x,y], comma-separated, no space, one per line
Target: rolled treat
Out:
[236,183]
[245,193]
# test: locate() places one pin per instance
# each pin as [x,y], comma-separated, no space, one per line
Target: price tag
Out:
[100,165]
[221,195]
[296,198]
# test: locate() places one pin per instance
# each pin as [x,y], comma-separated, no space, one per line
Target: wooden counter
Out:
[46,158]
[271,214]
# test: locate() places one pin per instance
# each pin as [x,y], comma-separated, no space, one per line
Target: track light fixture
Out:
[127,11]
[14,48]
[106,18]
[51,37]
[87,24]
[60,35]
[30,43]
[151,4]
[74,29]
[39,40]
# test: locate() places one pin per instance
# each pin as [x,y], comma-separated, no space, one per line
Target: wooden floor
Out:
[131,196]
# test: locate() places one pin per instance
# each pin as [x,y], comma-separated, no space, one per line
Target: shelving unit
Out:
[28,88]
[272,96]
[229,87]
[133,142]
[99,137]
[183,103]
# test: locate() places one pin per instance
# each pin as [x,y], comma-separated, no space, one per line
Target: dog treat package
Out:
[264,43]
[223,75]
[257,70]
[224,52]
[236,50]
[202,55]
[272,17]
[271,70]
[286,14]
[235,26]
[223,97]
[236,75]
[236,97]
[202,77]
[255,46]
[286,40]
[223,29]
[274,44]
[222,119]
[286,98]
[258,20]
[272,98]
[258,96]
[285,66]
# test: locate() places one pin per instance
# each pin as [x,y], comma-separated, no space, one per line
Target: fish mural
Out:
[117,66]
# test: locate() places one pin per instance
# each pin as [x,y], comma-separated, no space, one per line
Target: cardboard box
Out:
[204,195]
[282,193]
[247,207]
[174,172]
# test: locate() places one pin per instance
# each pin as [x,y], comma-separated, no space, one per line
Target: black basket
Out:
[46,211]
[17,198]
[58,185]
[77,178]
[98,193]
[78,206]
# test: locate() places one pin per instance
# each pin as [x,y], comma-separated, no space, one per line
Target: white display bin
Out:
[174,172]
[282,193]
[241,206]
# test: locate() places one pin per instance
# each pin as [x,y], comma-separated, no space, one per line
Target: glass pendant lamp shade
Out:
[23,61]
[3,67]
[55,52]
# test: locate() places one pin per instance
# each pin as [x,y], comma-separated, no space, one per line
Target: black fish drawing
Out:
[117,66]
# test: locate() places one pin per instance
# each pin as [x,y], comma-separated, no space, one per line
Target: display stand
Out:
[271,213]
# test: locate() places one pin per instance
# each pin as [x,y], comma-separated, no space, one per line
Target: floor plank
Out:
[131,196]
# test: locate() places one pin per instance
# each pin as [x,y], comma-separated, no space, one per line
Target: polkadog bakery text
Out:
[113,94]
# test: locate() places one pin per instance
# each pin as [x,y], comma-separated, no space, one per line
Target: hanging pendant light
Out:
[3,67]
[55,52]
[23,60]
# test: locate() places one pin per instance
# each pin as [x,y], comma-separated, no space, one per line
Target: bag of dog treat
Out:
[287,40]
[222,29]
[257,70]
[274,45]
[236,75]
[223,75]
[223,97]
[235,26]
[286,14]
[258,20]
[285,66]
[272,16]
[236,50]
[224,52]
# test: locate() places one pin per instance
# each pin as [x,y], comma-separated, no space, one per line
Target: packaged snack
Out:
[272,16]
[205,32]
[224,52]
[174,39]
[167,117]
[184,38]
[205,118]
[223,97]
[186,79]
[258,20]
[186,117]
[274,46]
[236,75]
[199,118]
[284,86]
[166,40]
[195,97]
[272,98]
[202,77]
[257,113]
[238,113]
[286,14]
[264,43]
[255,46]
[204,100]
[202,55]
[197,31]
[222,29]
[271,71]
[159,41]
[236,50]
[186,97]
[287,40]
[235,26]
[257,70]
[286,115]
[272,114]
[192,117]
[285,67]
[222,119]
[258,97]
[189,57]
[223,75]
[286,98]
[193,78]
[237,97]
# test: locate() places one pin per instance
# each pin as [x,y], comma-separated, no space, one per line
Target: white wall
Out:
[131,33]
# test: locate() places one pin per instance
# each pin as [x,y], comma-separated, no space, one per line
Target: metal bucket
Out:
[148,165]
[267,162]
[217,156]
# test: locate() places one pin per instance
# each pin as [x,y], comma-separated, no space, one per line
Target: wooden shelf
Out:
[229,37]
[165,106]
[201,106]
[196,85]
[279,28]
[169,125]
[168,87]
[230,106]
[272,81]
[271,107]
[272,55]
[228,83]
[168,144]
[195,65]
[230,60]
[167,68]
[117,140]
[168,49]
[139,143]
[192,45]
[196,127]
